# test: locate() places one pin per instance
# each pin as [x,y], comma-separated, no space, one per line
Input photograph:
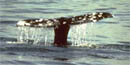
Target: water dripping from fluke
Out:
[60,25]
[31,35]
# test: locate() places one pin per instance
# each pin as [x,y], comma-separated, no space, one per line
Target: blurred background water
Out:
[111,35]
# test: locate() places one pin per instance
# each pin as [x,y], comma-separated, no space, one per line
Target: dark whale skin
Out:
[62,24]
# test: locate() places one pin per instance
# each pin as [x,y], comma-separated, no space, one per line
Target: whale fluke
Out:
[93,17]
[62,25]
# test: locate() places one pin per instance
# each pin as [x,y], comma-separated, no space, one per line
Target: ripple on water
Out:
[127,26]
[106,9]
[104,54]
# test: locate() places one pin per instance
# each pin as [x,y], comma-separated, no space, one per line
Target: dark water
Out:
[111,36]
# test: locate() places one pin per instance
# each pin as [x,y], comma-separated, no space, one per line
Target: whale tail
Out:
[62,25]
[93,17]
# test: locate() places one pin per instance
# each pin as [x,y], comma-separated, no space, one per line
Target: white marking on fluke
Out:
[80,17]
[94,17]
[28,24]
[40,20]
[21,23]
[40,24]
[84,19]
[91,19]
[100,15]
[37,20]
[64,22]
[94,20]
[73,19]
[94,13]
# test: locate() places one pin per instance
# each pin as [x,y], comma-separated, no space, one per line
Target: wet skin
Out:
[62,25]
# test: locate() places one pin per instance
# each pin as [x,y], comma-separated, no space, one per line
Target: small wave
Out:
[124,42]
[7,39]
[127,26]
[7,62]
[101,36]
[24,48]
[105,9]
[122,14]
[108,22]
[28,11]
[8,22]
[36,3]
[16,62]
[23,62]
[16,46]
[122,47]
[63,54]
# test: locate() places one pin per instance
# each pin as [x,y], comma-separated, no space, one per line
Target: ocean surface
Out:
[106,42]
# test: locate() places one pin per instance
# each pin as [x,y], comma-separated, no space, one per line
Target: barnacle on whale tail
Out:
[62,24]
[93,17]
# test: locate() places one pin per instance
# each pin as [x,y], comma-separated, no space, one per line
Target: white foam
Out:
[89,45]
[14,42]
